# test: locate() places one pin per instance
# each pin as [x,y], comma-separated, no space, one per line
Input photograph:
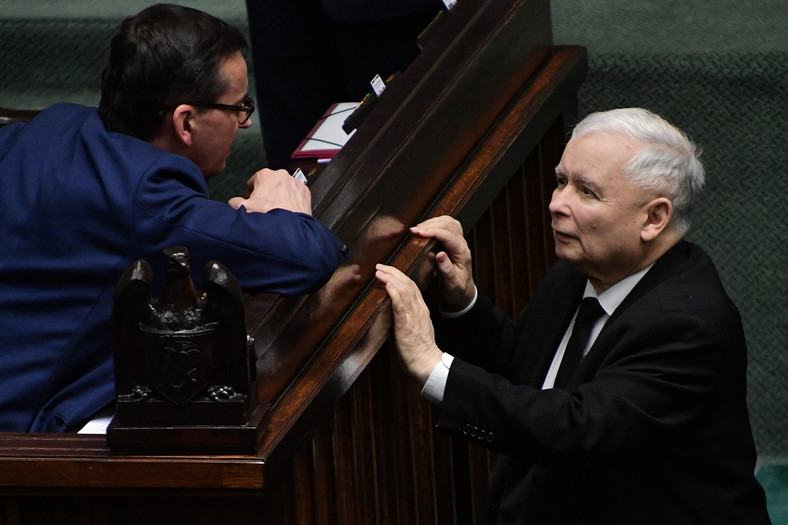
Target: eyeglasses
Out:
[242,112]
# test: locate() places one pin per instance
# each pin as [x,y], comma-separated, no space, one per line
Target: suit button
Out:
[466,430]
[490,437]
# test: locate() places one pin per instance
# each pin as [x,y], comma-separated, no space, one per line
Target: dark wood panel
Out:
[405,472]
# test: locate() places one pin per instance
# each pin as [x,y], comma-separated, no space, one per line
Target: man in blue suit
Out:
[86,192]
[651,426]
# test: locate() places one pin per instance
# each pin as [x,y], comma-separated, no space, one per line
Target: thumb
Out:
[236,202]
[444,264]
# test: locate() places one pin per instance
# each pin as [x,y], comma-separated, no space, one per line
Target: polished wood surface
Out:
[473,128]
[402,472]
[12,116]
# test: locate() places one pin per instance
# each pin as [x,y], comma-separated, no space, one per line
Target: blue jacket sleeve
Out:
[279,251]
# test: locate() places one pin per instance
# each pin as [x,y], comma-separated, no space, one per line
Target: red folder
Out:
[327,136]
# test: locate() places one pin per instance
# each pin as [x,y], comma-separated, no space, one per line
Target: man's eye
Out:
[587,192]
[560,182]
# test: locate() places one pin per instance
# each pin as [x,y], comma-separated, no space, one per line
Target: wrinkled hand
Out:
[413,331]
[268,189]
[453,265]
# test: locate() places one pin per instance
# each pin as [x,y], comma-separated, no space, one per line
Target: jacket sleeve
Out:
[279,251]
[484,336]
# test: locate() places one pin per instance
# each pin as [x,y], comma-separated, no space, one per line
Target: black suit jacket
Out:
[652,428]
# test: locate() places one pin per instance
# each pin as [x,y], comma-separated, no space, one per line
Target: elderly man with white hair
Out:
[619,394]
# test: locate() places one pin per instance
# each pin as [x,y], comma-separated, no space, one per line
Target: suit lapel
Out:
[669,264]
[557,300]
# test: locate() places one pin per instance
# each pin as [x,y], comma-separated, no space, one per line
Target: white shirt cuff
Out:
[436,383]
[452,315]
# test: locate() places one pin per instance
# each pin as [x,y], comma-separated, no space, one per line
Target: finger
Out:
[449,233]
[442,223]
[387,274]
[250,184]
[382,273]
[444,264]
[304,190]
[400,288]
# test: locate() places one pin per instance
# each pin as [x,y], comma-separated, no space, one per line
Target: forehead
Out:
[597,153]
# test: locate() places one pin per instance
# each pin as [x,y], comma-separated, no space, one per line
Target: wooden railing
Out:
[11,116]
[473,129]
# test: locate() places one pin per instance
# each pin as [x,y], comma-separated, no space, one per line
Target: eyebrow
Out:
[580,179]
[584,180]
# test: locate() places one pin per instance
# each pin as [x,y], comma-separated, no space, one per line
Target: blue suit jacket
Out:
[653,427]
[78,205]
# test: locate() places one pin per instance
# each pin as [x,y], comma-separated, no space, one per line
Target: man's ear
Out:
[182,122]
[659,213]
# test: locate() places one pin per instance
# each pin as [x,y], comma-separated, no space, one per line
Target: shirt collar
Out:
[611,298]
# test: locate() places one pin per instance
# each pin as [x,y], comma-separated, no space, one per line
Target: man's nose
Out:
[558,203]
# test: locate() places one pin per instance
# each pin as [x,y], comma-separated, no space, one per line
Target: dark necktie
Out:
[590,310]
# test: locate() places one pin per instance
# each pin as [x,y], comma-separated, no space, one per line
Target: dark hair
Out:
[162,57]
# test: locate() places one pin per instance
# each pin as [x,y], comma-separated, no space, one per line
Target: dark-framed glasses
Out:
[242,112]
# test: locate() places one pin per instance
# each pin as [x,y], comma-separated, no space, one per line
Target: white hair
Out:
[667,164]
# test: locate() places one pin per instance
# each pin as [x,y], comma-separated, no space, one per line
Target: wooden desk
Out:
[473,128]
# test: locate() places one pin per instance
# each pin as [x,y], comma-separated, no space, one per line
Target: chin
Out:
[210,173]
[569,255]
[562,249]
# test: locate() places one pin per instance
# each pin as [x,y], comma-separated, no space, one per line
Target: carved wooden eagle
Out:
[182,348]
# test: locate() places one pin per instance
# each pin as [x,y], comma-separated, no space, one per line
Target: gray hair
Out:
[667,164]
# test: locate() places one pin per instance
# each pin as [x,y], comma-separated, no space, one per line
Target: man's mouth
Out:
[562,236]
